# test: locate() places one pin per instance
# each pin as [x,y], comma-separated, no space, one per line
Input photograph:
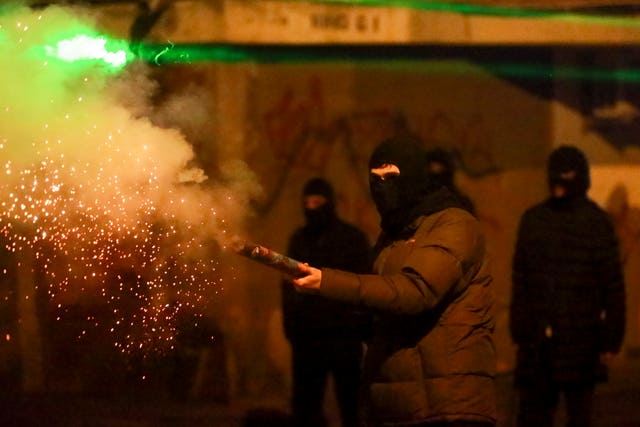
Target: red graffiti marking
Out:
[301,136]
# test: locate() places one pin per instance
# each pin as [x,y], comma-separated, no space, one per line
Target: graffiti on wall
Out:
[300,132]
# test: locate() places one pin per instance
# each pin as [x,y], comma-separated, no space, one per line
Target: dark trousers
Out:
[313,362]
[537,405]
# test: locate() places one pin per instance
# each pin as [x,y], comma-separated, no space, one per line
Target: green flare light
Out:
[192,53]
[82,47]
[116,54]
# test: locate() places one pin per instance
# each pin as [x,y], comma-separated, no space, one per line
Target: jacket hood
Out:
[440,167]
[402,199]
[324,215]
[568,168]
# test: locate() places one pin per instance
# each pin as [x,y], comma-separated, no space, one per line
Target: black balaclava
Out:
[395,197]
[568,168]
[440,168]
[323,215]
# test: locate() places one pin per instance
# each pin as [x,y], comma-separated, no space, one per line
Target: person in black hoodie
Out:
[326,336]
[568,298]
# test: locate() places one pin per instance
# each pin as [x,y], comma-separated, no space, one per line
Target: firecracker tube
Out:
[268,257]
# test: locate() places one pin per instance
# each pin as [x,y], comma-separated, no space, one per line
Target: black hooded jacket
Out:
[414,192]
[329,242]
[568,303]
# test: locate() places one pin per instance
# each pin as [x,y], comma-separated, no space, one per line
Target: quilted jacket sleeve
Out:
[439,259]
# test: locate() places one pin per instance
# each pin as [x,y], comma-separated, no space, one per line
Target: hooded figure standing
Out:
[326,336]
[431,359]
[568,301]
[442,170]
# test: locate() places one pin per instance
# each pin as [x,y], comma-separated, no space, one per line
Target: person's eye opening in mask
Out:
[385,171]
[314,201]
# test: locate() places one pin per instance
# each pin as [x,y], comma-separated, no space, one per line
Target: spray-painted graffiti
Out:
[300,134]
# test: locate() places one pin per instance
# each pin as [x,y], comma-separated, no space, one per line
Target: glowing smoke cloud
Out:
[83,47]
[93,193]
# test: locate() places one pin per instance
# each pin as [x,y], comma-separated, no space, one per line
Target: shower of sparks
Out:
[91,201]
[90,244]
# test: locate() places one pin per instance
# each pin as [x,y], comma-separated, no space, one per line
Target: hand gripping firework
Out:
[268,257]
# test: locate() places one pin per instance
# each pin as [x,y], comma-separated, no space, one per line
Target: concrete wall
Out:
[301,120]
[290,121]
[286,21]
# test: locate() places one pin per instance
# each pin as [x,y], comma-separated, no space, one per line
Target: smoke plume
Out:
[99,188]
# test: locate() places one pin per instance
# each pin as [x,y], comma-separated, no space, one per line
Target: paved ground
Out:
[617,402]
[617,405]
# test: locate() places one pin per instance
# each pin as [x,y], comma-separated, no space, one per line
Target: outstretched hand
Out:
[310,280]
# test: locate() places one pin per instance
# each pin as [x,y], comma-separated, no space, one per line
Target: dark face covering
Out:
[568,168]
[319,217]
[324,214]
[385,193]
[401,199]
[440,168]
[396,196]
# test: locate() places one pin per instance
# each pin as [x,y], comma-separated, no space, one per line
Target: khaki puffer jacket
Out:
[431,357]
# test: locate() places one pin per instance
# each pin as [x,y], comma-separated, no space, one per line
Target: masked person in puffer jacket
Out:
[431,358]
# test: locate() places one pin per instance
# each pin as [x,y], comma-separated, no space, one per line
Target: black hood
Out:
[568,167]
[320,187]
[322,216]
[402,199]
[409,157]
[440,167]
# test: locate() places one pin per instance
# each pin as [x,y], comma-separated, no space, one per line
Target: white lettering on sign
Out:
[345,22]
[287,21]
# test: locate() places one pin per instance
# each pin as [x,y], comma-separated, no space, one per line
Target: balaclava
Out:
[568,168]
[440,168]
[395,197]
[320,217]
